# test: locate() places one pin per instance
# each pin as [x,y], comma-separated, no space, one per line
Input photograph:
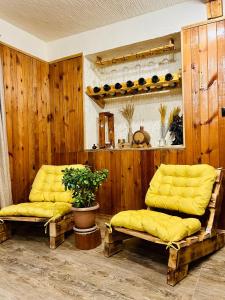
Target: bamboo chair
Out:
[206,241]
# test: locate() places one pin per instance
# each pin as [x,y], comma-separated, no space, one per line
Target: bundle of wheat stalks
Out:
[173,113]
[128,112]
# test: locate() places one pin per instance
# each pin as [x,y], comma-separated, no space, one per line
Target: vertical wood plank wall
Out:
[130,171]
[66,104]
[204,95]
[26,86]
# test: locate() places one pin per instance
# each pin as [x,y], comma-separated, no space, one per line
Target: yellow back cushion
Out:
[182,188]
[47,185]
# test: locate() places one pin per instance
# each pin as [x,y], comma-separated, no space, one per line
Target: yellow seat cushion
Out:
[181,188]
[37,209]
[167,228]
[47,185]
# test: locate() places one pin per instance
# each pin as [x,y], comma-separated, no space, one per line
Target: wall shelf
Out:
[148,88]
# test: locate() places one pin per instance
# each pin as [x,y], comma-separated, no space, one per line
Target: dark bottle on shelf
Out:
[135,91]
[118,86]
[155,79]
[141,81]
[130,83]
[106,87]
[96,89]
[168,77]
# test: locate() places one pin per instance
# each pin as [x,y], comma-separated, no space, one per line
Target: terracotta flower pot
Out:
[85,217]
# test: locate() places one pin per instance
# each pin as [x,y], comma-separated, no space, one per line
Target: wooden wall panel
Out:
[131,170]
[66,104]
[213,96]
[45,128]
[26,87]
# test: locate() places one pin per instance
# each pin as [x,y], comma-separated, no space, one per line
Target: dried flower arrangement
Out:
[164,129]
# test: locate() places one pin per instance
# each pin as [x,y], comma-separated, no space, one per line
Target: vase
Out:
[162,140]
[130,135]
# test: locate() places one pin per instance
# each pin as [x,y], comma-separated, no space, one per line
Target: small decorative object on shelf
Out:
[94,147]
[128,112]
[106,130]
[155,79]
[141,139]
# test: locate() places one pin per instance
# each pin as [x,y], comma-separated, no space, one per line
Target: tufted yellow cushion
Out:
[47,185]
[181,188]
[37,209]
[165,227]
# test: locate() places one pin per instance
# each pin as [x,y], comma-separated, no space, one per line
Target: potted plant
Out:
[84,183]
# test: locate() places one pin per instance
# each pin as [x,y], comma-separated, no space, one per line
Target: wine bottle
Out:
[168,77]
[130,83]
[96,89]
[106,87]
[155,79]
[118,86]
[135,91]
[141,81]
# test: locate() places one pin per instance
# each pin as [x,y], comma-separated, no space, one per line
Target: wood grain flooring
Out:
[30,270]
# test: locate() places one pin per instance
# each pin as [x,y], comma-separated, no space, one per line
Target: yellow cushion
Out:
[165,227]
[47,185]
[37,209]
[181,188]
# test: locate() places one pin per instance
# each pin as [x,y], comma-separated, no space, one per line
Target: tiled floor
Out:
[30,270]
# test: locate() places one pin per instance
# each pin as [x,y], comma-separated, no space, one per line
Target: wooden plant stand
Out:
[88,240]
[57,228]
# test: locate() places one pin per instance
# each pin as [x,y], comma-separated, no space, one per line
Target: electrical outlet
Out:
[223,111]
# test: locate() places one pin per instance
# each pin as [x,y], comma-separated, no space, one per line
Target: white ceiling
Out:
[53,19]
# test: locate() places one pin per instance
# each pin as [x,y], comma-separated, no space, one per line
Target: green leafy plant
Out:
[83,183]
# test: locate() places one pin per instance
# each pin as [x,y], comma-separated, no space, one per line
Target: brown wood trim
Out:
[23,52]
[204,23]
[66,58]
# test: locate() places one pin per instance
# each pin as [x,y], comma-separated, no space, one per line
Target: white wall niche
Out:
[146,106]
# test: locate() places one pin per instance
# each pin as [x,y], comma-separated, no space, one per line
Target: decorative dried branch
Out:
[128,112]
[175,112]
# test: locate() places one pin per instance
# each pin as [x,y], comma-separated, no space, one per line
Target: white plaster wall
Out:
[22,40]
[141,28]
